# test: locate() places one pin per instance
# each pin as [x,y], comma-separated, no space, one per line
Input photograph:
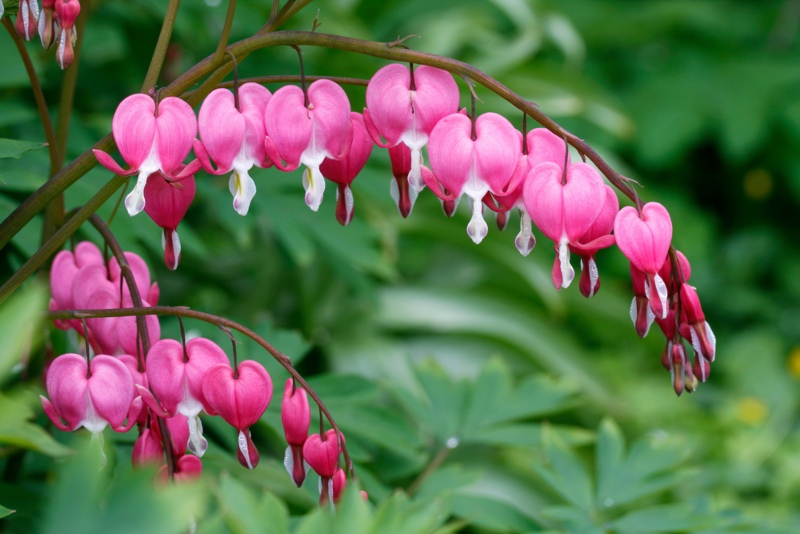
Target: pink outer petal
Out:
[109,163]
[253,100]
[295,414]
[167,202]
[437,96]
[289,126]
[222,129]
[604,223]
[87,280]
[134,128]
[344,171]
[389,102]
[165,373]
[544,145]
[106,329]
[497,150]
[87,253]
[331,114]
[203,354]
[128,332]
[67,386]
[140,270]
[239,401]
[177,128]
[563,211]
[111,389]
[178,426]
[62,273]
[322,456]
[450,150]
[645,242]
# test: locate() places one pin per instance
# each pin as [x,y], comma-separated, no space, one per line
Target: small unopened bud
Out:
[27,19]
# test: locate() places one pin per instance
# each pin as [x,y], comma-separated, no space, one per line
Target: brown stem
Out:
[141,325]
[226,31]
[437,460]
[221,322]
[160,52]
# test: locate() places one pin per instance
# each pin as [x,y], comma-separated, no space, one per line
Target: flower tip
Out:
[134,202]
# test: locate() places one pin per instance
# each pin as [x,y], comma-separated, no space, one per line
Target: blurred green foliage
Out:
[474,396]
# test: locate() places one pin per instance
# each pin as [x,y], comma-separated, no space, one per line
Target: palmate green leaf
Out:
[245,513]
[11,148]
[665,518]
[529,435]
[574,519]
[565,472]
[491,513]
[85,499]
[651,465]
[446,480]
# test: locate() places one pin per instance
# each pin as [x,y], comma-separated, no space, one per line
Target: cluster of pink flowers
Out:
[175,382]
[483,157]
[54,23]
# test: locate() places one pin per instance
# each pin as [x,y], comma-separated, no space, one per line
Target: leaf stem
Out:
[221,322]
[162,44]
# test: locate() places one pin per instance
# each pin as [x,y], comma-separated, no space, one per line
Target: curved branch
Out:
[178,311]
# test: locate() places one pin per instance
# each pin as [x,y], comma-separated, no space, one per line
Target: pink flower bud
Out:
[343,171]
[296,418]
[147,450]
[67,12]
[47,23]
[322,454]
[403,196]
[700,335]
[166,202]
[240,397]
[27,17]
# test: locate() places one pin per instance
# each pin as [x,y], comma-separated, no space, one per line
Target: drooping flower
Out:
[240,396]
[640,312]
[563,203]
[296,418]
[644,239]
[232,133]
[403,195]
[65,266]
[90,395]
[404,107]
[27,17]
[322,454]
[699,332]
[304,129]
[540,145]
[67,12]
[187,468]
[473,161]
[597,237]
[151,139]
[166,202]
[176,377]
[344,170]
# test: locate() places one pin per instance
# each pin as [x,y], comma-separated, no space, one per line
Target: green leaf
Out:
[491,513]
[15,428]
[609,451]
[5,512]
[565,473]
[20,317]
[11,148]
[240,507]
[665,518]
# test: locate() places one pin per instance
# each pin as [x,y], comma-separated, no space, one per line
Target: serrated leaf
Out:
[11,148]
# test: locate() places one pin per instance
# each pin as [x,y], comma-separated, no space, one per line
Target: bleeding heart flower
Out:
[343,171]
[176,378]
[141,274]
[67,12]
[296,418]
[91,396]
[700,334]
[306,129]
[640,312]
[240,396]
[232,131]
[645,240]
[473,161]
[322,453]
[187,469]
[403,195]
[597,237]
[404,107]
[166,202]
[151,139]
[563,205]
[540,145]
[65,266]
